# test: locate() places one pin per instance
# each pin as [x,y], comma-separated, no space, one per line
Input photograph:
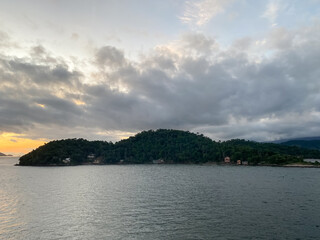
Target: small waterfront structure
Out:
[66,160]
[245,163]
[96,161]
[91,156]
[239,162]
[158,161]
[311,160]
[227,160]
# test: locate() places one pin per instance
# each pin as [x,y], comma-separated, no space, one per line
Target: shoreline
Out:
[292,165]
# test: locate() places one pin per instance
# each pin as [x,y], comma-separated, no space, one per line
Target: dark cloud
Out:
[32,94]
[192,85]
[41,74]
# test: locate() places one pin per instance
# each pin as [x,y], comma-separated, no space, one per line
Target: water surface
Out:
[158,202]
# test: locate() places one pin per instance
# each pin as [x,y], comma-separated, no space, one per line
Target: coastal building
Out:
[91,156]
[158,161]
[311,160]
[245,163]
[96,161]
[227,160]
[66,160]
[239,162]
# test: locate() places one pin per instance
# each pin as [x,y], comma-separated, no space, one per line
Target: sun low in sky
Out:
[106,70]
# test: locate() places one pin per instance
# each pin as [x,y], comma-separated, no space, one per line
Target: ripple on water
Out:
[159,202]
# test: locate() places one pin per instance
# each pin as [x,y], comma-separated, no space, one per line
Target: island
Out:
[4,155]
[167,146]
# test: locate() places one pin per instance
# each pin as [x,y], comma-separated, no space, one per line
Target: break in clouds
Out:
[260,89]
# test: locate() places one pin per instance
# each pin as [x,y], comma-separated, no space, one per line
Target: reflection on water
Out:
[159,202]
[8,213]
[9,199]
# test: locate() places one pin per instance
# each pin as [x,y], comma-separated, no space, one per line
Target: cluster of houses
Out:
[66,160]
[91,158]
[311,160]
[158,161]
[227,160]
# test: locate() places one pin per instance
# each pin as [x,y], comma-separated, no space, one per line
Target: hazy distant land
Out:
[4,155]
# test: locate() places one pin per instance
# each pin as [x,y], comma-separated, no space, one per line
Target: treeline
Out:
[266,153]
[172,146]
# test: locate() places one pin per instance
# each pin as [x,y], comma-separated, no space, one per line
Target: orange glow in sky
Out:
[16,144]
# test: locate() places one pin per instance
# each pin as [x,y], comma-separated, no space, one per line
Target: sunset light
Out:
[159,119]
[17,144]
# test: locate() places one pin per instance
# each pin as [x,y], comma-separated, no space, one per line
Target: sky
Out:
[106,70]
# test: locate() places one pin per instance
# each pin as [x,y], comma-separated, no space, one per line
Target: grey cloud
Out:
[199,43]
[242,43]
[26,111]
[224,94]
[109,56]
[280,38]
[209,93]
[39,54]
[61,72]
[29,95]
[212,93]
[38,51]
[161,59]
[289,126]
[42,74]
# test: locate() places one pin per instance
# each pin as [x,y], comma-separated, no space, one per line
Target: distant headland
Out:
[167,146]
[4,155]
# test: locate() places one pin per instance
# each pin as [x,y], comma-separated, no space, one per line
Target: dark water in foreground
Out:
[158,202]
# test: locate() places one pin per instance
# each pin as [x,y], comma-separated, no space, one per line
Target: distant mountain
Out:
[310,144]
[295,139]
[2,154]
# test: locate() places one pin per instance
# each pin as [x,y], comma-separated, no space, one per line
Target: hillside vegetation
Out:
[171,146]
[310,144]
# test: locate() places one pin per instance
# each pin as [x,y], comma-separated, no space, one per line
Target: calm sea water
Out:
[158,202]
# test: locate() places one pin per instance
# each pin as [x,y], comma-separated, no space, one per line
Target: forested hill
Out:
[311,144]
[170,146]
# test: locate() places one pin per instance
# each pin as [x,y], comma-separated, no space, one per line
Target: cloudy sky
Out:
[109,69]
